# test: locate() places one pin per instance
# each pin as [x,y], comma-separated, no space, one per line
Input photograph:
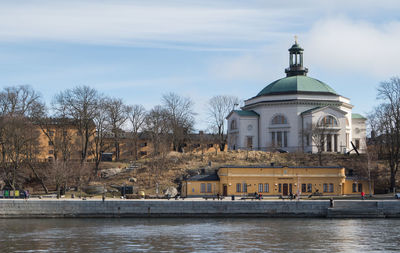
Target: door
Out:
[285,189]
[225,190]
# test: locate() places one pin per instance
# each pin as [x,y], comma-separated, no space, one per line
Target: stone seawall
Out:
[196,208]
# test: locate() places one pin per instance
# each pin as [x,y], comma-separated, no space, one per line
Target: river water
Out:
[199,235]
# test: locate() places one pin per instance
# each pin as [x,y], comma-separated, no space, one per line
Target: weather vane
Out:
[295,39]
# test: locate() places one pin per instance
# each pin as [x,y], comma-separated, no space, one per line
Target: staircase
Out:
[355,209]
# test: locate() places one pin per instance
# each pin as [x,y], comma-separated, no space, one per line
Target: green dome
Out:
[297,85]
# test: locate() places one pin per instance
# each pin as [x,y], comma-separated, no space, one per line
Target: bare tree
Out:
[136,114]
[79,104]
[156,125]
[18,136]
[101,122]
[316,132]
[385,122]
[218,109]
[180,118]
[117,113]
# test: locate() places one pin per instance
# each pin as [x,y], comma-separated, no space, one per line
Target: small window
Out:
[280,188]
[51,133]
[51,143]
[360,188]
[266,187]
[354,187]
[250,142]
[303,187]
[51,152]
[309,187]
[244,187]
[325,187]
[330,187]
[233,125]
[203,188]
[238,187]
[260,187]
[209,188]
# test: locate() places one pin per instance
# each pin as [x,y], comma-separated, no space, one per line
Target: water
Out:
[199,235]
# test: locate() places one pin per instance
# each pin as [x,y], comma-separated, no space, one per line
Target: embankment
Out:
[198,208]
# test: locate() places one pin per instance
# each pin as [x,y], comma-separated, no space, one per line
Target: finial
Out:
[295,39]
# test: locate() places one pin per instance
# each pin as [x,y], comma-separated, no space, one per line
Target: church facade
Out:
[297,113]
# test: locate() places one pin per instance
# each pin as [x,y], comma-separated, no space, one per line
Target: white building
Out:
[296,113]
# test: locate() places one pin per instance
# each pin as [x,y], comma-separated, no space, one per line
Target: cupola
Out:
[296,67]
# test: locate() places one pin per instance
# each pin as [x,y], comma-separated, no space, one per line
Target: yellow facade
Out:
[276,181]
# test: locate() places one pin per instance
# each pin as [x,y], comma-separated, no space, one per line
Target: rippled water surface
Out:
[199,235]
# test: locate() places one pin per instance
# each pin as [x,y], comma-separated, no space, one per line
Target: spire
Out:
[296,67]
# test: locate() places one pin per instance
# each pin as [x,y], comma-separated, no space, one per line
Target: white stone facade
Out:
[292,119]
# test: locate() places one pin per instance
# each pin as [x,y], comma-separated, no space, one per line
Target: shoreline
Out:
[197,208]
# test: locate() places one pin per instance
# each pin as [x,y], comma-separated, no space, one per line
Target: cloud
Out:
[133,23]
[343,45]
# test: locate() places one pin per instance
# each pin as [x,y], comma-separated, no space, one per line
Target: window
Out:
[260,187]
[335,146]
[266,187]
[209,188]
[330,187]
[51,143]
[357,143]
[238,187]
[51,152]
[233,124]
[279,120]
[329,142]
[250,142]
[303,187]
[280,188]
[51,133]
[309,187]
[354,187]
[143,144]
[244,187]
[325,187]
[329,121]
[307,139]
[360,188]
[273,138]
[279,139]
[203,188]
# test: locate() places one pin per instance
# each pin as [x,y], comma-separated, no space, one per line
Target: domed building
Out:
[297,113]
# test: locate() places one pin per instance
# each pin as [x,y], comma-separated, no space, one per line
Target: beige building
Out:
[274,181]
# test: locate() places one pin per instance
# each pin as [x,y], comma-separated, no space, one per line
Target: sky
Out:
[140,50]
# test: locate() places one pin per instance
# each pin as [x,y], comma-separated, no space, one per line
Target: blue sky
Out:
[140,50]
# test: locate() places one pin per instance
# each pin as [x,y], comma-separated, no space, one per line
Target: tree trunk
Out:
[39,178]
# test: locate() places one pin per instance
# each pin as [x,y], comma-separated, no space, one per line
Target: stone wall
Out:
[185,208]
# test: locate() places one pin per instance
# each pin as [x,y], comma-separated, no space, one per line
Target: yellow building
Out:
[274,181]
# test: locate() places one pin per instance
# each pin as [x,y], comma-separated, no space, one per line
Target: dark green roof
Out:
[246,113]
[297,85]
[357,116]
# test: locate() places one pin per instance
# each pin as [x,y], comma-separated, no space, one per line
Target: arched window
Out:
[233,124]
[329,121]
[279,120]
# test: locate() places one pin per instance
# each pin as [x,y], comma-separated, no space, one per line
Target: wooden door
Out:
[225,190]
[285,189]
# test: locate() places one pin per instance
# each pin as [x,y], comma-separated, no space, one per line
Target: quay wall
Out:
[33,208]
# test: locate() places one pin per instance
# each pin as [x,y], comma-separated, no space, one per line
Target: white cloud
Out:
[343,45]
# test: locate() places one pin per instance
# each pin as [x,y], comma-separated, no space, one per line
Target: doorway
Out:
[285,189]
[225,190]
